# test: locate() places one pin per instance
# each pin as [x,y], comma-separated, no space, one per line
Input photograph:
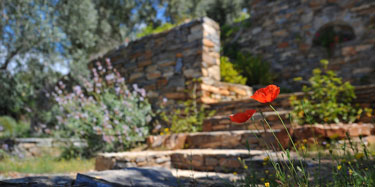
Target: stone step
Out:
[259,139]
[223,123]
[213,160]
[238,139]
[364,99]
[201,175]
[230,107]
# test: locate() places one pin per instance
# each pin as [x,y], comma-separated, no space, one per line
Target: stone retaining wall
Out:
[164,63]
[215,91]
[282,32]
[259,139]
[29,147]
[224,160]
[364,98]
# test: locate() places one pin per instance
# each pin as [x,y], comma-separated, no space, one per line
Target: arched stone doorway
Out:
[330,35]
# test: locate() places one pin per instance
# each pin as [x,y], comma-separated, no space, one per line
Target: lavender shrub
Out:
[103,111]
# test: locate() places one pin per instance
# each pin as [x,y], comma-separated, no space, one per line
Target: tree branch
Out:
[9,58]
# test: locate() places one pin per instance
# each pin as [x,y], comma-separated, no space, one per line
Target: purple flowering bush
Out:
[103,111]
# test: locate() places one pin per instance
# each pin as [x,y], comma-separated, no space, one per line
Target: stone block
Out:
[211,161]
[175,141]
[134,76]
[208,43]
[150,87]
[210,60]
[196,161]
[238,90]
[104,163]
[363,47]
[208,100]
[192,73]
[210,88]
[175,95]
[144,63]
[153,75]
[283,45]
[161,82]
[214,72]
[213,140]
[280,33]
[151,68]
[152,94]
[166,62]
[349,51]
[196,29]
[333,131]
[231,163]
[224,91]
[209,30]
[195,36]
[168,74]
[316,3]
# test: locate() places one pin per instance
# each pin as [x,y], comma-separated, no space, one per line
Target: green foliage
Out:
[254,69]
[74,30]
[39,37]
[242,17]
[70,152]
[150,29]
[10,128]
[45,164]
[189,117]
[228,73]
[104,112]
[222,11]
[326,100]
[229,35]
[25,95]
[348,163]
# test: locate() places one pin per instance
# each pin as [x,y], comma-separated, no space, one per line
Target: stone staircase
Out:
[226,147]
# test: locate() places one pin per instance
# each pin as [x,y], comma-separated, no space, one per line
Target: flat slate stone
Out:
[147,176]
[39,181]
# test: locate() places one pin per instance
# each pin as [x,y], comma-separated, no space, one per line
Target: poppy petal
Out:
[242,116]
[267,94]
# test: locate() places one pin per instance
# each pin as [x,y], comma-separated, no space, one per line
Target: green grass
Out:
[45,164]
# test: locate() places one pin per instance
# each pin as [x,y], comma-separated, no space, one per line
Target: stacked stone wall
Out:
[165,63]
[282,32]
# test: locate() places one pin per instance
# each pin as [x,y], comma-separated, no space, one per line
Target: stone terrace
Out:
[163,64]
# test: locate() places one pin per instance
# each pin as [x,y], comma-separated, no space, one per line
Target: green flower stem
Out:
[290,137]
[287,131]
[278,141]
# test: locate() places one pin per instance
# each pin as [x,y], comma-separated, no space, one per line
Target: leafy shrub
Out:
[24,95]
[189,117]
[254,68]
[326,100]
[150,29]
[10,128]
[228,73]
[103,112]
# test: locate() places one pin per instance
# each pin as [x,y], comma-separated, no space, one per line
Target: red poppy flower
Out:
[267,94]
[242,116]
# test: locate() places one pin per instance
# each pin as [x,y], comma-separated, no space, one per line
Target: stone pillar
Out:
[211,49]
